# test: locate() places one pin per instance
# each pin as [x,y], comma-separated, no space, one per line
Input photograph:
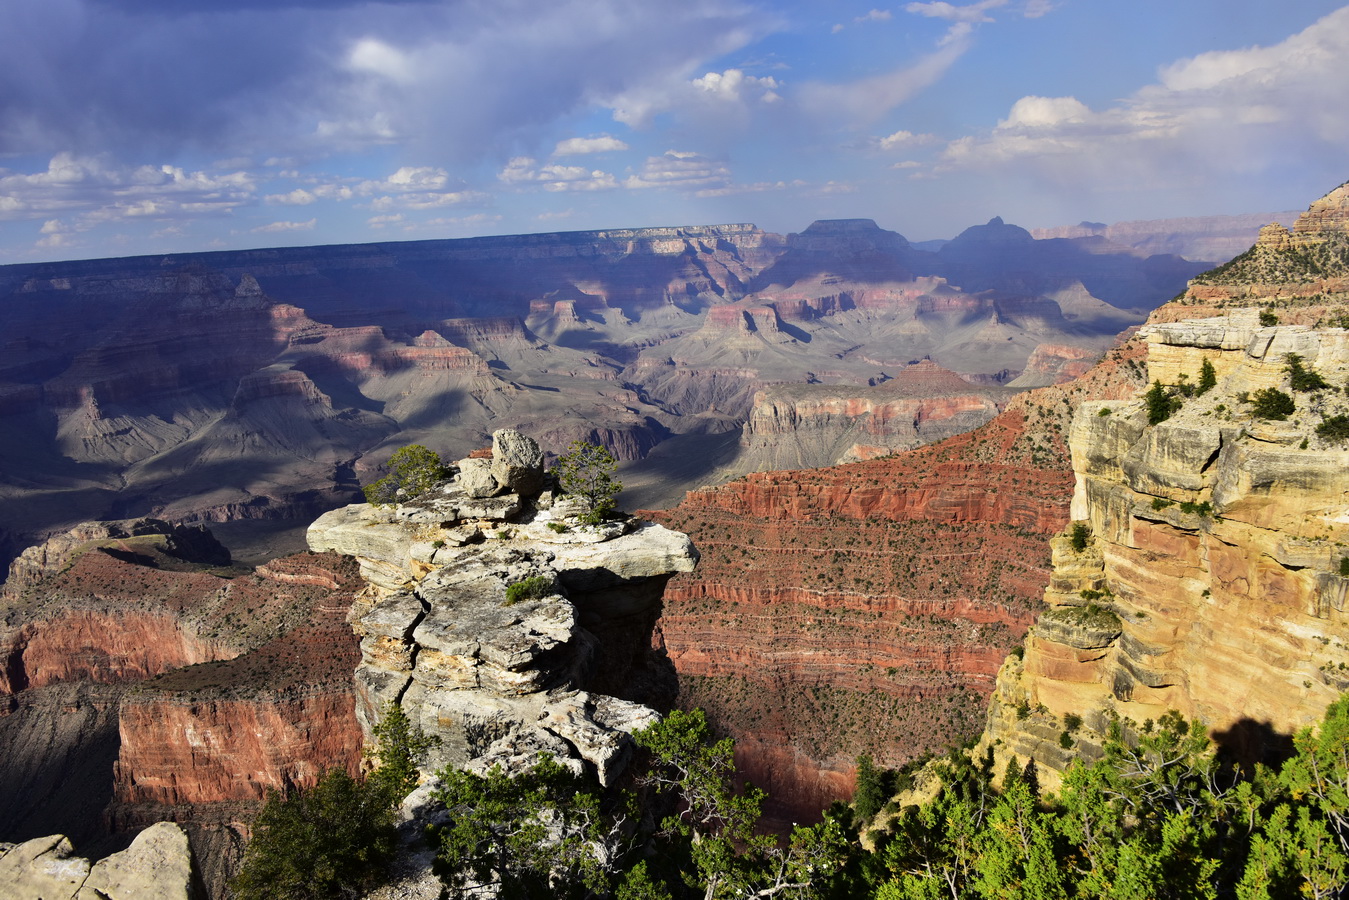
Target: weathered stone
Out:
[43,867]
[499,678]
[157,866]
[517,462]
[476,478]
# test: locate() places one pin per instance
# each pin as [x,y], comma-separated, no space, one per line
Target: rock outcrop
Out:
[502,625]
[157,866]
[1207,570]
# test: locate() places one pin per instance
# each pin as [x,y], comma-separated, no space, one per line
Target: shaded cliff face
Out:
[1209,577]
[808,426]
[867,607]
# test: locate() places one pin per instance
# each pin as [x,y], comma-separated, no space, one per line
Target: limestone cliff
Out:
[502,625]
[1206,573]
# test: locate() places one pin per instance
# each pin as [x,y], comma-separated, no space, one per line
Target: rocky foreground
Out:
[564,669]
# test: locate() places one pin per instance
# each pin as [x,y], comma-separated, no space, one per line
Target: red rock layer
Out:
[867,607]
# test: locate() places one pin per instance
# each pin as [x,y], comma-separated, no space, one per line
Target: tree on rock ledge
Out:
[587,471]
[413,470]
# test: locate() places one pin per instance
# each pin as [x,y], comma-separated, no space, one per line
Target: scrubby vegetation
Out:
[413,470]
[588,471]
[1158,815]
[1272,403]
[336,838]
[534,588]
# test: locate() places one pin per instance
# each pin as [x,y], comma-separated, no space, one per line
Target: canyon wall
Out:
[867,607]
[145,679]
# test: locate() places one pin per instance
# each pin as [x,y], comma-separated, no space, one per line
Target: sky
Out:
[153,126]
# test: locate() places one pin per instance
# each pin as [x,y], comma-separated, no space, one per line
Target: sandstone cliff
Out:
[1207,572]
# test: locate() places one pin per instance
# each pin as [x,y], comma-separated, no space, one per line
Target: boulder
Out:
[517,462]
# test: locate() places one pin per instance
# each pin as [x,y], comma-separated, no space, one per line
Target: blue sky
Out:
[149,126]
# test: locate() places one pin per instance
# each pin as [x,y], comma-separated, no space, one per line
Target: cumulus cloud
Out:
[100,190]
[1237,111]
[600,143]
[680,169]
[876,15]
[526,171]
[413,188]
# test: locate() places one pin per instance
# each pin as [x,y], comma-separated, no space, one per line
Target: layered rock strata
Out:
[1207,570]
[1211,582]
[502,625]
[866,607]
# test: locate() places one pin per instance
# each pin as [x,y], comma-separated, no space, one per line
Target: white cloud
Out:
[384,221]
[297,197]
[1237,111]
[99,190]
[600,143]
[902,139]
[680,169]
[1045,112]
[971,14]
[876,15]
[280,227]
[735,86]
[375,57]
[524,170]
[416,187]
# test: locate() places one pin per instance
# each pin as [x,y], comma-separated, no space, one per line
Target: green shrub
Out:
[413,470]
[1208,378]
[559,527]
[1104,411]
[1334,428]
[1160,404]
[534,588]
[1065,740]
[1160,503]
[1078,536]
[1301,378]
[1268,319]
[1272,403]
[1072,722]
[1344,566]
[334,840]
[587,471]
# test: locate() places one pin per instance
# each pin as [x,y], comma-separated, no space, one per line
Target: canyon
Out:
[260,388]
[866,607]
